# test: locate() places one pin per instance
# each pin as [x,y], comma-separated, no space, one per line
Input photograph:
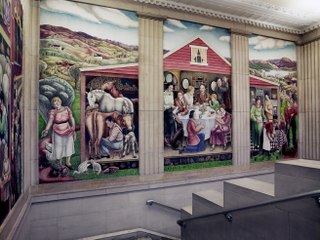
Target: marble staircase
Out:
[291,177]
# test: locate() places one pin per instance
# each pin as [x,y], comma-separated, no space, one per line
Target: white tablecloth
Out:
[208,121]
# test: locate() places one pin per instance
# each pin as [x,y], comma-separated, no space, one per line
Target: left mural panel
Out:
[88,60]
[5,105]
[11,82]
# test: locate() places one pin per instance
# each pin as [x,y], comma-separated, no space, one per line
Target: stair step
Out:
[186,212]
[246,191]
[296,176]
[207,202]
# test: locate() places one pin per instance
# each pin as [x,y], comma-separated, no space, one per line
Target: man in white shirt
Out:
[169,123]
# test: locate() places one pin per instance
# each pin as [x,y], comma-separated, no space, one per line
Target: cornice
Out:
[219,15]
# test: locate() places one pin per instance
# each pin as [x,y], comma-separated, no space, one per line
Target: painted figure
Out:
[222,91]
[130,140]
[219,133]
[267,137]
[189,97]
[3,119]
[280,137]
[5,173]
[114,142]
[169,122]
[110,86]
[202,96]
[257,116]
[268,108]
[291,114]
[181,105]
[102,105]
[213,102]
[195,140]
[63,132]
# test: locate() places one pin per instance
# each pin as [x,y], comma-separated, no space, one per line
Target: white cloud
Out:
[176,23]
[166,29]
[67,7]
[207,28]
[261,43]
[225,38]
[114,16]
[256,40]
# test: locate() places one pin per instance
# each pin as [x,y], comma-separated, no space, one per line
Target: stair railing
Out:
[228,213]
[153,202]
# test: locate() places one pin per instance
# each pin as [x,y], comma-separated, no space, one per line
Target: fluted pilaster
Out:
[240,99]
[308,59]
[150,96]
[31,27]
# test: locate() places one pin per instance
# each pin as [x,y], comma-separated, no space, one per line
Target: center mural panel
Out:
[88,119]
[197,93]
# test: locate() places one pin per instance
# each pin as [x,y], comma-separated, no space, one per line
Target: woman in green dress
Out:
[257,116]
[213,102]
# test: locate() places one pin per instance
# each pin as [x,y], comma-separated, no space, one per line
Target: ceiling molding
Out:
[229,17]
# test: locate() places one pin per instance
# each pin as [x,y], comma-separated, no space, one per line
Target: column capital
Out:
[151,16]
[241,32]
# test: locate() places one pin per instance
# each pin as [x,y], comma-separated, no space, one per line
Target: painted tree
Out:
[75,74]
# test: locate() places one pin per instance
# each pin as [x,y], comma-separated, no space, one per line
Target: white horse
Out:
[107,106]
[107,103]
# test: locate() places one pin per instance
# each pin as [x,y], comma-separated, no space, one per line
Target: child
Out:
[213,102]
[267,137]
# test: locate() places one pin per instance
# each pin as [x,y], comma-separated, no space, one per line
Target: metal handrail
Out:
[153,202]
[313,194]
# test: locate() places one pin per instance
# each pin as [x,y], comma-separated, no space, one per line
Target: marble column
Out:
[31,29]
[240,99]
[308,59]
[151,149]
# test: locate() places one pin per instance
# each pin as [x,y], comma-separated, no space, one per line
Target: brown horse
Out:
[95,125]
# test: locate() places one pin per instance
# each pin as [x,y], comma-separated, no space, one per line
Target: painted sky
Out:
[177,33]
[101,22]
[264,48]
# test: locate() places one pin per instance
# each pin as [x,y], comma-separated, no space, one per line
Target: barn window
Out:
[198,55]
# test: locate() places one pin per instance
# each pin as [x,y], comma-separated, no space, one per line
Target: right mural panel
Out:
[273,98]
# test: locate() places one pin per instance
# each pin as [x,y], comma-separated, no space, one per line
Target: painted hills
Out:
[82,47]
[61,48]
[273,64]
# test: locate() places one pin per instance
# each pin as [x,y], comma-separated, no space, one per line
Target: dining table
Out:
[207,118]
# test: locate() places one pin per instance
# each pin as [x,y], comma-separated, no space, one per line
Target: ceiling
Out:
[293,16]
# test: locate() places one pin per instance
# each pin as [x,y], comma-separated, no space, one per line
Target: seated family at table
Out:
[220,95]
[186,103]
[195,139]
[218,134]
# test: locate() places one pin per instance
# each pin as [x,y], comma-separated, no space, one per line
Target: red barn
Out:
[181,59]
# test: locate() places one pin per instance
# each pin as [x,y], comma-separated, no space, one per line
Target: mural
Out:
[111,104]
[86,53]
[16,130]
[274,99]
[18,33]
[10,110]
[5,15]
[197,93]
[5,105]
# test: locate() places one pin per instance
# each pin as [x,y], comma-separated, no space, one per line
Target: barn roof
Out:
[261,82]
[130,70]
[179,59]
